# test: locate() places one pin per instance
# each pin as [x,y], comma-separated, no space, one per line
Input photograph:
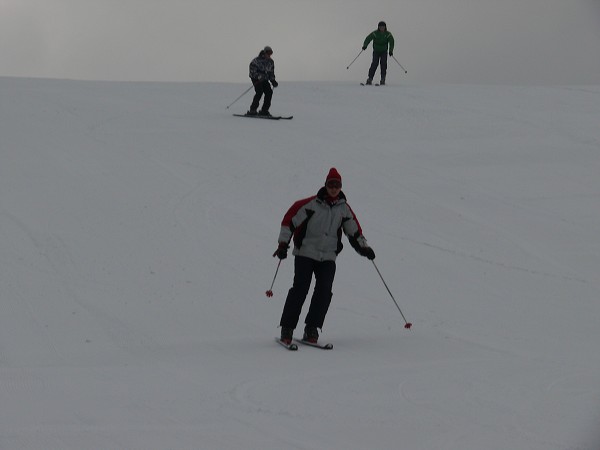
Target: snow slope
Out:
[137,223]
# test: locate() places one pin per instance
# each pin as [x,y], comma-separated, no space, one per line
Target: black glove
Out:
[281,251]
[367,252]
[274,83]
[364,48]
[391,53]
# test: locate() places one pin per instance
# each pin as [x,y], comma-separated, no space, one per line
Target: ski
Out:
[292,346]
[266,117]
[365,84]
[317,345]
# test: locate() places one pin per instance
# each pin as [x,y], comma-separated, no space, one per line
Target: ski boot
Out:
[287,335]
[311,334]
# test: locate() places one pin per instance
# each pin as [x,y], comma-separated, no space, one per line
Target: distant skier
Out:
[383,44]
[316,224]
[262,74]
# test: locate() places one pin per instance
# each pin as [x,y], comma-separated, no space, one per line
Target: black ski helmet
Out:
[382,24]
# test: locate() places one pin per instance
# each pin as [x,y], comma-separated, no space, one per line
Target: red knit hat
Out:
[333,175]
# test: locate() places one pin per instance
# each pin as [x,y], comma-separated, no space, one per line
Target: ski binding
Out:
[291,346]
[327,346]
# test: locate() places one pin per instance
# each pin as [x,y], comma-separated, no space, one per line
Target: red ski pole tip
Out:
[408,325]
[269,293]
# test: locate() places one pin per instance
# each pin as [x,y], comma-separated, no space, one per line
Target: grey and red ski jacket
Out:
[316,227]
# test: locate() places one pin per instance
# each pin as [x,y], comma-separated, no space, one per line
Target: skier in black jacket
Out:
[262,74]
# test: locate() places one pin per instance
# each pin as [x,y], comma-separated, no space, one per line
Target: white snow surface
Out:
[137,224]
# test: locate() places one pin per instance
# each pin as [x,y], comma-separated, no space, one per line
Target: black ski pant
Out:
[378,58]
[262,87]
[319,304]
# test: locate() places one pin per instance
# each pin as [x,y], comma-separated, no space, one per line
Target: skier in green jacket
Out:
[383,42]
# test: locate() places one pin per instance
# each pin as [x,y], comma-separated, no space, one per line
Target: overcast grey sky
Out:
[455,41]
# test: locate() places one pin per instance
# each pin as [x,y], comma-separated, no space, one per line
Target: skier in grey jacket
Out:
[262,72]
[316,224]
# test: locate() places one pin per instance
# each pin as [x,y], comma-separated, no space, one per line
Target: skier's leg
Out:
[383,61]
[268,95]
[374,64]
[321,299]
[255,101]
[303,270]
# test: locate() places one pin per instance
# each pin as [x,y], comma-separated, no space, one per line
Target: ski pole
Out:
[408,324]
[354,59]
[399,64]
[245,92]
[270,291]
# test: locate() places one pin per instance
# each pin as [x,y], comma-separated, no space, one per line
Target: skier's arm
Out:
[368,39]
[391,43]
[272,76]
[352,229]
[355,237]
[292,219]
[254,70]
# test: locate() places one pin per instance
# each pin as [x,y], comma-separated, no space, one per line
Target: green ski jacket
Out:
[380,41]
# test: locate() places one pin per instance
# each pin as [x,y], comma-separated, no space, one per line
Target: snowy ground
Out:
[137,223]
